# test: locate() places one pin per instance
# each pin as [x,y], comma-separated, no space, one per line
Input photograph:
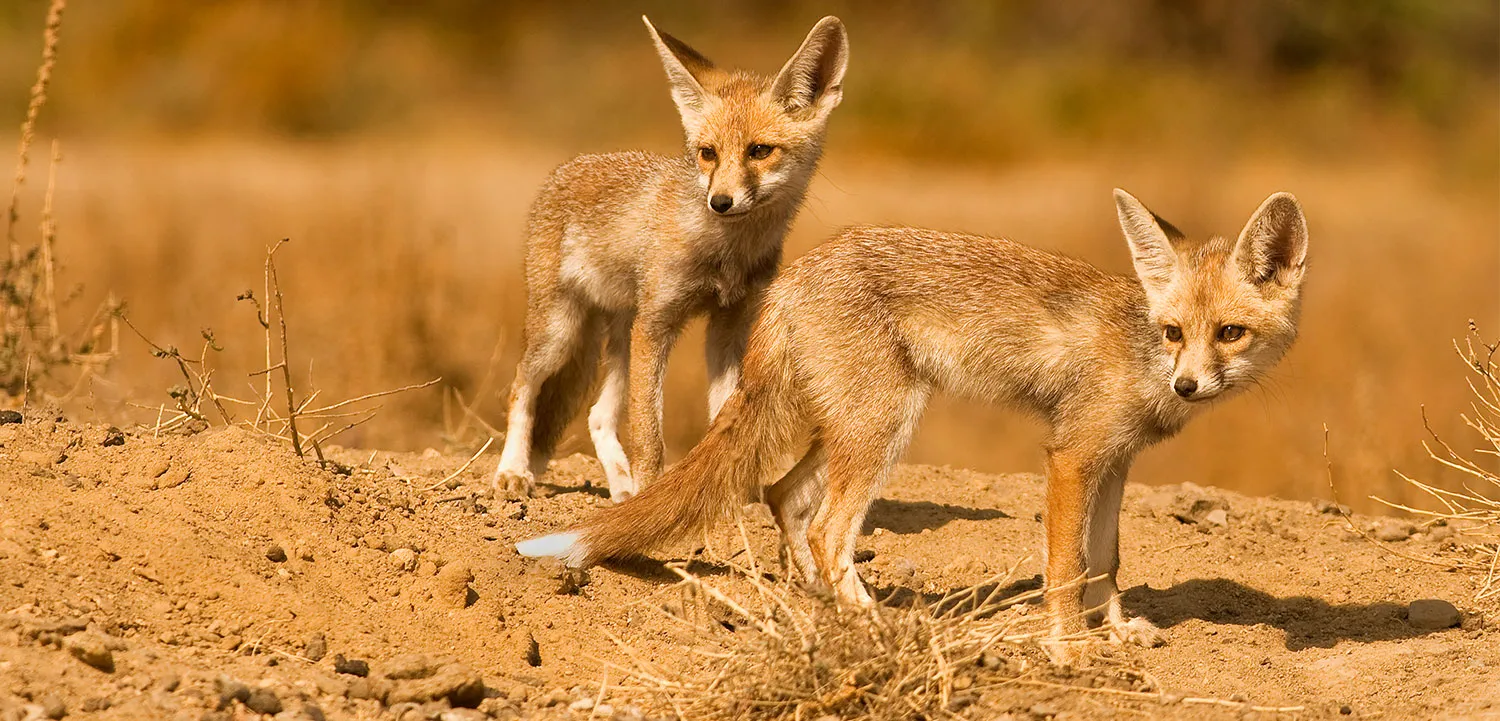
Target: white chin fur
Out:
[566,546]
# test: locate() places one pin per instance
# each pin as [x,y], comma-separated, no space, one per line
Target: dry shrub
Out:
[36,354]
[199,404]
[1475,510]
[776,653]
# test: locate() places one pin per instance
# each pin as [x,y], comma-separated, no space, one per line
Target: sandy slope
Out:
[163,549]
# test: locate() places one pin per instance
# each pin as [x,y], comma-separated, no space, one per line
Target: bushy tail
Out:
[746,443]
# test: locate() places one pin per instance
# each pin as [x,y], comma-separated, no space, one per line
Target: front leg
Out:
[728,333]
[1104,562]
[651,339]
[1071,480]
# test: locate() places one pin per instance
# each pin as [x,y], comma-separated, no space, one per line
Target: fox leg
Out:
[794,500]
[553,333]
[651,338]
[1071,479]
[728,333]
[1104,560]
[604,417]
[861,451]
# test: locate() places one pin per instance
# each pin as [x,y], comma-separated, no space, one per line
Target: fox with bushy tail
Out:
[859,333]
[746,442]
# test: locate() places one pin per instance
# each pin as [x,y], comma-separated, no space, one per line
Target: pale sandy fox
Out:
[624,248]
[858,334]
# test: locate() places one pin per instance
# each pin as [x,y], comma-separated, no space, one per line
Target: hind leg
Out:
[562,396]
[794,500]
[605,416]
[554,328]
[862,448]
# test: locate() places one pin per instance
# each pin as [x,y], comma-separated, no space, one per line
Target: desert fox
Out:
[629,246]
[858,334]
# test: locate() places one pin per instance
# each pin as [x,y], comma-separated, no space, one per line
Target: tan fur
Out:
[861,331]
[627,246]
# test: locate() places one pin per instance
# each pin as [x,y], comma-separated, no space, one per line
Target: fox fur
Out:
[859,333]
[624,248]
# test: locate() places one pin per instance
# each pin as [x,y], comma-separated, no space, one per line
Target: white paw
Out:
[622,488]
[517,482]
[1138,632]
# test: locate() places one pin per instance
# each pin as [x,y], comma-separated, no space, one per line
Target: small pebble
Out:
[351,667]
[1432,614]
[275,554]
[404,559]
[583,704]
[317,647]
[263,700]
[1345,710]
[92,650]
[113,437]
[1217,517]
[53,707]
[8,416]
[231,690]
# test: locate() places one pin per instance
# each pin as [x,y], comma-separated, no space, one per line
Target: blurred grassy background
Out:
[399,145]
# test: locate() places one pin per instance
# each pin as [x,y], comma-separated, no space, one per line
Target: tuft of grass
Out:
[33,344]
[776,653]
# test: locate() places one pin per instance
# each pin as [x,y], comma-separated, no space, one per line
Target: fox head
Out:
[1224,312]
[755,140]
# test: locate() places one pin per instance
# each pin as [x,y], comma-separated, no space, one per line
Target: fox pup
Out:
[858,334]
[629,246]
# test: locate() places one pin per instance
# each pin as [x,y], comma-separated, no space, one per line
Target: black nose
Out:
[1185,386]
[721,203]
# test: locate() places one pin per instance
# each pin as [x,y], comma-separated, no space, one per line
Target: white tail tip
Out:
[558,545]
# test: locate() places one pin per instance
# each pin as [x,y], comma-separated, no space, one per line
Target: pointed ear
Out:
[1150,240]
[685,67]
[814,77]
[1273,245]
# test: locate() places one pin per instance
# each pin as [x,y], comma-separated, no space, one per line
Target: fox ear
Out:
[814,77]
[685,66]
[1273,245]
[1150,241]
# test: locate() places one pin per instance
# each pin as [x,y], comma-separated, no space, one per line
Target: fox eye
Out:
[1231,333]
[760,152]
[1172,333]
[708,154]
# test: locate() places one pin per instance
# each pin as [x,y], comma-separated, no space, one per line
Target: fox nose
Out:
[721,203]
[1185,386]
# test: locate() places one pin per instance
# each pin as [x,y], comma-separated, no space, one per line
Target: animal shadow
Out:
[906,517]
[1307,622]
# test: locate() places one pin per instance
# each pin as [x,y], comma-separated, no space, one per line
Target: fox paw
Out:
[1071,653]
[621,489]
[517,483]
[1137,632]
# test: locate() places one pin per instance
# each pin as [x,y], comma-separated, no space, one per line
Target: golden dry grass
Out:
[405,263]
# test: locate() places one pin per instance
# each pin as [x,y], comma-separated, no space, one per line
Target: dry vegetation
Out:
[1475,507]
[407,265]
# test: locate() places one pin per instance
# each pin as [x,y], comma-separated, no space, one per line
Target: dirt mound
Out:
[212,575]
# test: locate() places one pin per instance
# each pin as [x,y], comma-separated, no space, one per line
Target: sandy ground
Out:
[205,576]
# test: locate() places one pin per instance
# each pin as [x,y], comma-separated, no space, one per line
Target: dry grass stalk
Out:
[1475,510]
[50,35]
[198,385]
